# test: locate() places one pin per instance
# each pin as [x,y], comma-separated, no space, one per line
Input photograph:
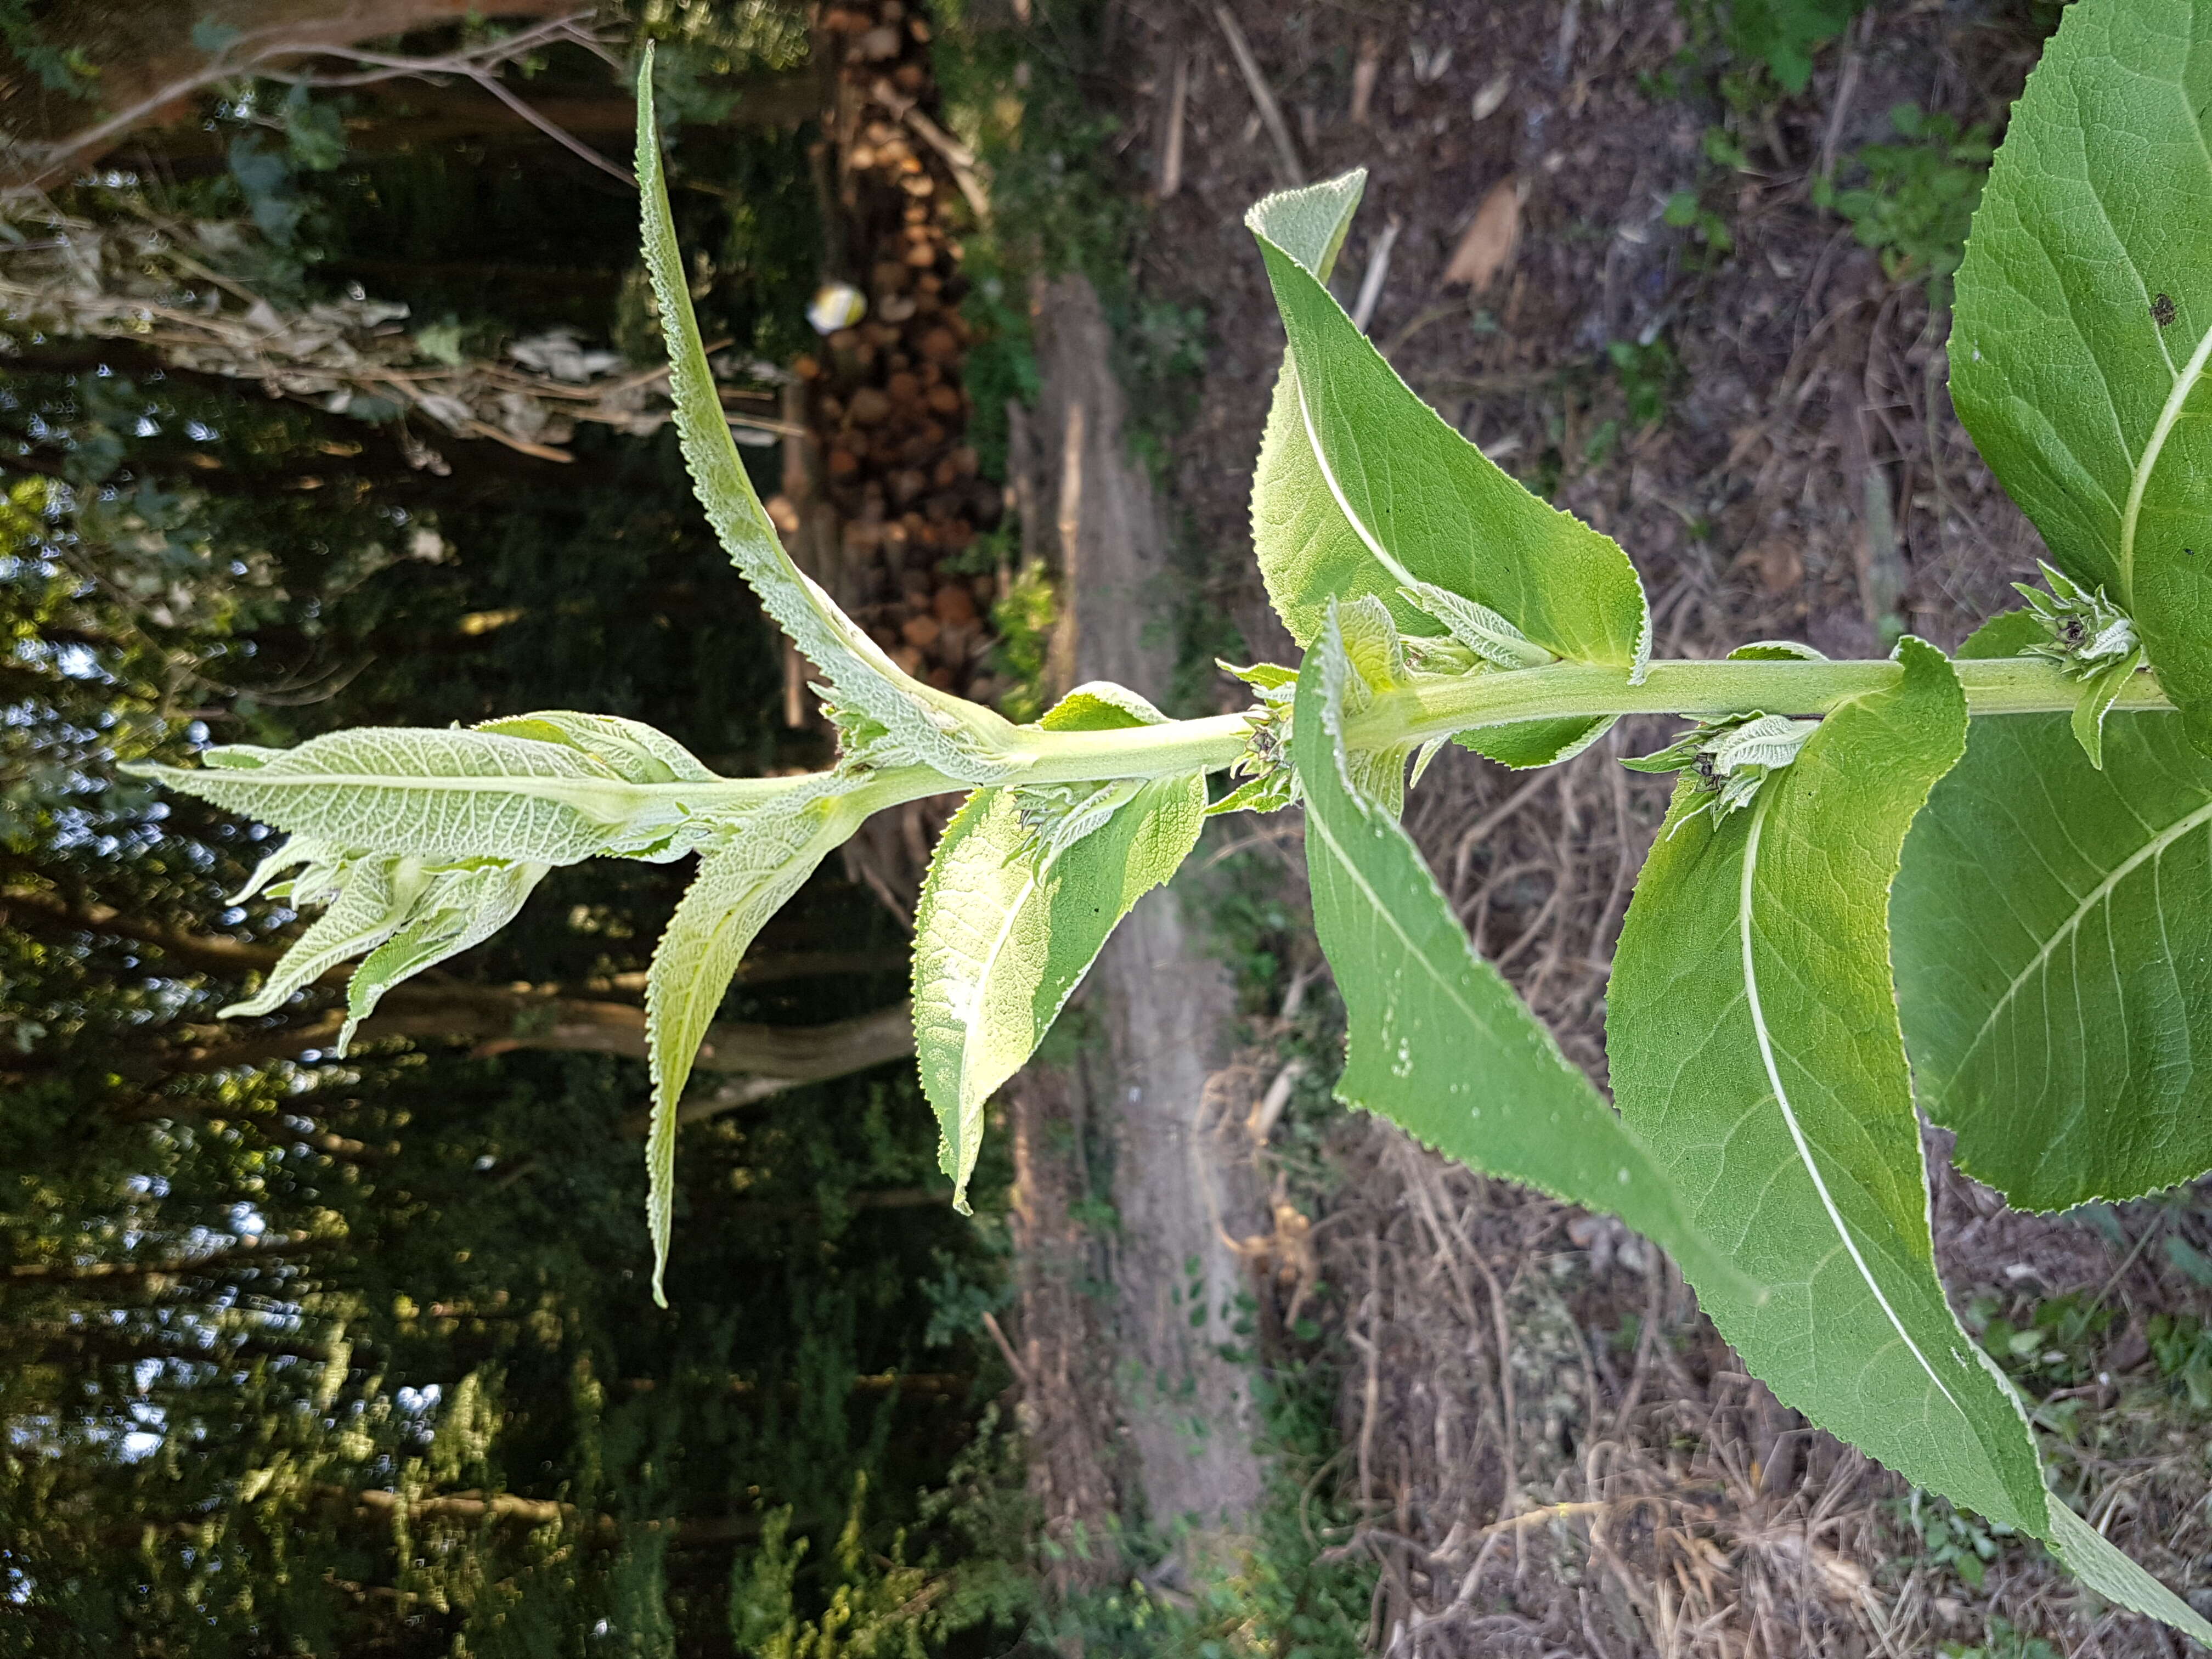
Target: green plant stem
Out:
[1439,706]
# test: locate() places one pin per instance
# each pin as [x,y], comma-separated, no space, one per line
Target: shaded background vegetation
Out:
[307,1356]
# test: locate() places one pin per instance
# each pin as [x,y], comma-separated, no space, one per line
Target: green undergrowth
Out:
[1912,202]
[1755,53]
[2001,1641]
[1031,101]
[1273,1596]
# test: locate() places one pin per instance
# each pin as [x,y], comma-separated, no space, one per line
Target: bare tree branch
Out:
[150,89]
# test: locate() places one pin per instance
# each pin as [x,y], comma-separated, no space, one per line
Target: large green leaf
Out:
[1767,1139]
[1437,1041]
[1361,489]
[2084,323]
[907,722]
[1754,1038]
[763,859]
[2050,924]
[1023,890]
[1752,1030]
[438,794]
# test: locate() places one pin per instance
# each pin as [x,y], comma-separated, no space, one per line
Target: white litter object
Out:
[836,305]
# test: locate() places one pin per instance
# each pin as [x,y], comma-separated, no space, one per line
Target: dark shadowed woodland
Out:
[331,394]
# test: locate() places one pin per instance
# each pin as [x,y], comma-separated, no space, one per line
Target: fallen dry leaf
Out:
[1492,96]
[1487,246]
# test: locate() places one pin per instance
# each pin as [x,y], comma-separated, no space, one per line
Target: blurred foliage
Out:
[1782,35]
[307,1356]
[1917,197]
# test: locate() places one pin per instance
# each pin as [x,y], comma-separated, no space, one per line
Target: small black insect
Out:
[2162,311]
[1704,767]
[2072,631]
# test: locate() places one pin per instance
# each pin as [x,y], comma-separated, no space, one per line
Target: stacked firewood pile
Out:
[886,504]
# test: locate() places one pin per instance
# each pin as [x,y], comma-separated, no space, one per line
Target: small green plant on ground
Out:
[1918,197]
[2053,1345]
[1752,53]
[1782,35]
[1712,240]
[1649,372]
[1963,884]
[1952,1539]
[2001,1641]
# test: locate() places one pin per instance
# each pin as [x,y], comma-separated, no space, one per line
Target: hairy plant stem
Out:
[1442,706]
[1436,707]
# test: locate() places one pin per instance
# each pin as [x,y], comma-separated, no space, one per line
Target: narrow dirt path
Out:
[1129,1405]
[1164,1004]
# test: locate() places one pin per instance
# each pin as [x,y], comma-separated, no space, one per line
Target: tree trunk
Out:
[798,1054]
[49,913]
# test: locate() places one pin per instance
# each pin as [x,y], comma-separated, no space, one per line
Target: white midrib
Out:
[1790,1113]
[587,795]
[1403,576]
[1316,823]
[2096,897]
[2184,384]
[972,1023]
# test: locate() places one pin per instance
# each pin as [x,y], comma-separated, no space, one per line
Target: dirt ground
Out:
[1552,1452]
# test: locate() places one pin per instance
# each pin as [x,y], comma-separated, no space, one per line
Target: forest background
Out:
[330,397]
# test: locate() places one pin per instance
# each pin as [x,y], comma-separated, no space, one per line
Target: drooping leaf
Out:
[741,884]
[1753,1036]
[1011,916]
[457,911]
[406,915]
[1437,1041]
[2049,922]
[912,723]
[1361,489]
[437,795]
[1753,1031]
[2084,321]
[368,899]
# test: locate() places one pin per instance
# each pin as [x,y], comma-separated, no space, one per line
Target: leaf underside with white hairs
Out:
[1361,489]
[2047,917]
[440,795]
[1437,1041]
[1008,927]
[632,750]
[364,913]
[739,888]
[2083,332]
[925,725]
[462,909]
